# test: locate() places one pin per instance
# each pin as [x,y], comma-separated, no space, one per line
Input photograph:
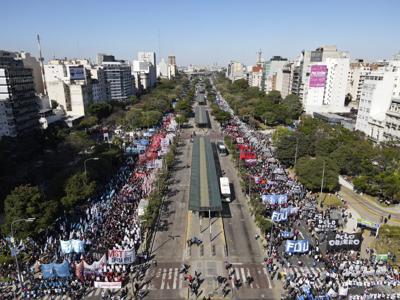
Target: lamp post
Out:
[28,220]
[86,160]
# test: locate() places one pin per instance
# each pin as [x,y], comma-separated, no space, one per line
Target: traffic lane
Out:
[239,231]
[366,209]
[170,236]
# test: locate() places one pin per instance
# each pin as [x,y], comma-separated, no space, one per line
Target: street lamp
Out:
[28,220]
[86,160]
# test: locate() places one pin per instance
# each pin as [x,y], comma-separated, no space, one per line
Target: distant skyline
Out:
[201,32]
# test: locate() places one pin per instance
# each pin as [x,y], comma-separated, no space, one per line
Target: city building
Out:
[99,84]
[256,77]
[283,80]
[32,63]
[144,70]
[68,83]
[235,71]
[272,68]
[301,71]
[378,102]
[172,67]
[327,86]
[120,83]
[18,103]
[162,69]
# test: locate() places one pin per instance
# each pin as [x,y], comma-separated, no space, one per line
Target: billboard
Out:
[318,76]
[76,73]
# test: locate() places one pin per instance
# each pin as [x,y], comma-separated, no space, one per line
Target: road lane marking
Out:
[164,274]
[267,275]
[175,279]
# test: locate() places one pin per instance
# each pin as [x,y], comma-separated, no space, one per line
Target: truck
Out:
[225,189]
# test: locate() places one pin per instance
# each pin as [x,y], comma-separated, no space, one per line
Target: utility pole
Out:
[322,180]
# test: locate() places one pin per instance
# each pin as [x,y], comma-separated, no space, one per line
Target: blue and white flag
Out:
[300,246]
[275,199]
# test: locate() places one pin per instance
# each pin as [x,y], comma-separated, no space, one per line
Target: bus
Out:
[225,189]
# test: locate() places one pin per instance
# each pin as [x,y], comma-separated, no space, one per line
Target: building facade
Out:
[32,63]
[376,115]
[18,104]
[235,71]
[120,83]
[69,84]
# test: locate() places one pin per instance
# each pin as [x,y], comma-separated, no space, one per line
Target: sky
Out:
[202,31]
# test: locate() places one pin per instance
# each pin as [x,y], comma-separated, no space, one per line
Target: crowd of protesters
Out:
[342,273]
[106,222]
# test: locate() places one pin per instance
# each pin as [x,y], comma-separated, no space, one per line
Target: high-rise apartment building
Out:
[327,85]
[31,62]
[378,114]
[272,68]
[119,80]
[69,84]
[18,103]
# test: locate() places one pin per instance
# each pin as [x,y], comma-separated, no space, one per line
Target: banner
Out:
[96,267]
[300,246]
[325,224]
[70,246]
[121,256]
[107,285]
[274,199]
[279,216]
[287,234]
[62,270]
[247,155]
[344,241]
[55,270]
[381,257]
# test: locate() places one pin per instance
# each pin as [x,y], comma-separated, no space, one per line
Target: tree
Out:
[100,110]
[181,119]
[222,116]
[274,96]
[88,122]
[294,106]
[279,133]
[150,118]
[77,189]
[309,170]
[27,201]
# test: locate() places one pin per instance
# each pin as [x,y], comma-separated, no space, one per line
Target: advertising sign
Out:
[318,76]
[121,256]
[76,73]
[344,241]
[300,246]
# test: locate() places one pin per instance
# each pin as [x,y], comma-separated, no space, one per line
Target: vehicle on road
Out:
[221,148]
[225,189]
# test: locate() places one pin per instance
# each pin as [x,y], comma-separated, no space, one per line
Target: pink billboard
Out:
[318,75]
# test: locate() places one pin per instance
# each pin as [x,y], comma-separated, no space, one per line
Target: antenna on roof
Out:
[41,59]
[259,56]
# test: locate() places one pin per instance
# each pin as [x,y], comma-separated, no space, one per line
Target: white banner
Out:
[121,256]
[107,285]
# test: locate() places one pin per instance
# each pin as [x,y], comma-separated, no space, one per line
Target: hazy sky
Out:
[201,31]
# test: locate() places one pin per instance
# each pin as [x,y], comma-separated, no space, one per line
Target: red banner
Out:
[247,155]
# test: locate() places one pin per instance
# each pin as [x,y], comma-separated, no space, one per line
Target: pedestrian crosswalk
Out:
[318,271]
[259,274]
[97,292]
[169,278]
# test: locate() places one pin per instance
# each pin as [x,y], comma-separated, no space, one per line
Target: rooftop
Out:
[204,184]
